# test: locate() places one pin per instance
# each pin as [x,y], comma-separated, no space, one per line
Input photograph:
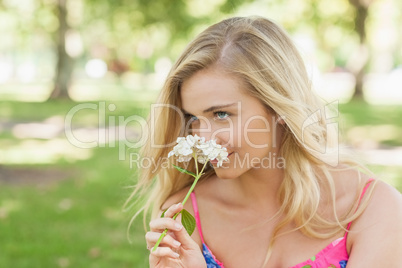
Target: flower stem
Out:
[183,202]
[203,167]
[177,214]
[163,234]
[196,163]
[194,183]
[191,189]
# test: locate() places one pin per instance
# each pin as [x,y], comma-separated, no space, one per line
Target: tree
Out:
[65,63]
[136,16]
[347,17]
[359,62]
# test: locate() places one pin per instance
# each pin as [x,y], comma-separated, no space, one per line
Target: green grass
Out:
[74,222]
[78,221]
[38,111]
[361,113]
[381,125]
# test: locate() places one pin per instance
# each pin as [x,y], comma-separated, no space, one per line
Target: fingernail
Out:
[176,255]
[176,244]
[178,226]
[178,205]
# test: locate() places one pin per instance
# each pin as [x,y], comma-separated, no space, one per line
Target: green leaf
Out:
[188,221]
[182,170]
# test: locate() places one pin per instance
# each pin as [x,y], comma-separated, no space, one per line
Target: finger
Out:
[164,252]
[181,234]
[179,218]
[165,223]
[185,239]
[168,240]
[172,210]
[161,252]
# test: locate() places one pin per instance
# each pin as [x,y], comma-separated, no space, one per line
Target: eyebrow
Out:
[217,107]
[214,108]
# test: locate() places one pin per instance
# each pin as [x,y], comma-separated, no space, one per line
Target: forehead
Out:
[210,87]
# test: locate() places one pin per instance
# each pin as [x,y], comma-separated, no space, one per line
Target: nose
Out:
[211,131]
[202,127]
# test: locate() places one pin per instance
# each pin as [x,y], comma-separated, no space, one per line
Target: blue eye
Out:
[221,115]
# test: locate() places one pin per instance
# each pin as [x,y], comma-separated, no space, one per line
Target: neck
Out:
[257,188]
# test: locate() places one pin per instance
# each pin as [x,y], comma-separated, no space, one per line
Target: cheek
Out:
[257,134]
[254,135]
[225,134]
[258,139]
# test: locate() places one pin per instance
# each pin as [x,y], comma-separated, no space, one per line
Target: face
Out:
[218,107]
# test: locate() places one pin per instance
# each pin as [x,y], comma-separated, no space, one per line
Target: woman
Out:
[284,199]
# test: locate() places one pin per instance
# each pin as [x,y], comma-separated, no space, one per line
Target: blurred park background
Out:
[77,75]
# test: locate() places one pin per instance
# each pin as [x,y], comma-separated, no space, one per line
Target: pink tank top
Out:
[334,255]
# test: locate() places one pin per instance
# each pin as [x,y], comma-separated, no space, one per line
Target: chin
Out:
[226,173]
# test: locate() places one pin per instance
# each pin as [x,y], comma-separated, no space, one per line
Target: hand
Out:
[177,249]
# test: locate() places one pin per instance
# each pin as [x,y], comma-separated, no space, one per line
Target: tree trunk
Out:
[360,59]
[357,66]
[64,67]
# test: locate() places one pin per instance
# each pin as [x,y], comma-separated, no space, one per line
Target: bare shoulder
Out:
[384,198]
[375,237]
[386,195]
[348,184]
[384,206]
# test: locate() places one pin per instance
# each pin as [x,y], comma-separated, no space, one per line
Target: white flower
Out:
[194,140]
[195,146]
[213,151]
[222,157]
[183,150]
[202,158]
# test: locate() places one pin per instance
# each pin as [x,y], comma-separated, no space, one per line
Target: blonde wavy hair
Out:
[263,56]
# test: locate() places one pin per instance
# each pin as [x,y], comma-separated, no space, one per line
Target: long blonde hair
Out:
[262,55]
